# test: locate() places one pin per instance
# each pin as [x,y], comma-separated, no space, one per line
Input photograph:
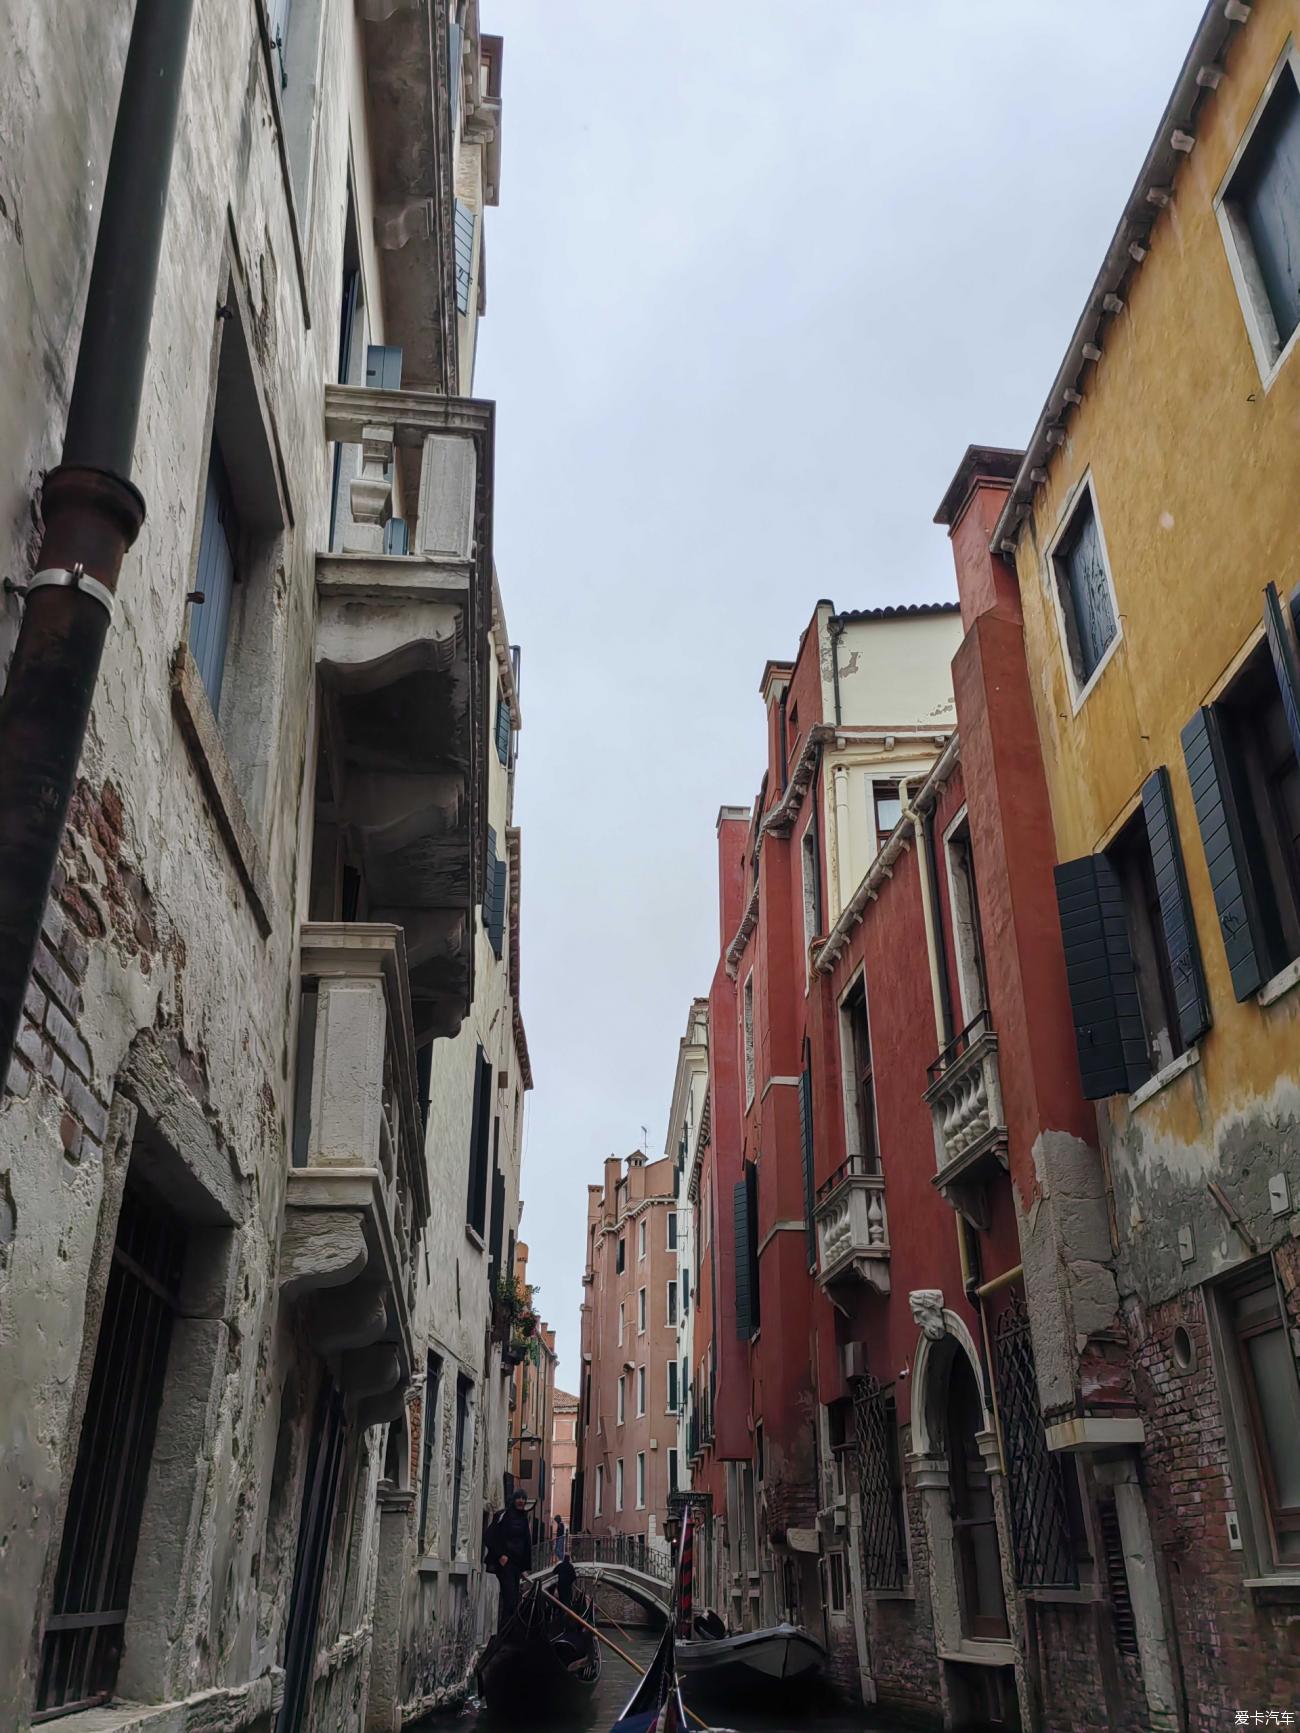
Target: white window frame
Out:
[674,1469]
[600,1489]
[671,1312]
[748,1004]
[840,1611]
[621,1409]
[618,1483]
[963,916]
[1080,692]
[640,1238]
[808,867]
[670,1216]
[622,1320]
[1270,354]
[642,1311]
[672,1376]
[640,1392]
[640,1480]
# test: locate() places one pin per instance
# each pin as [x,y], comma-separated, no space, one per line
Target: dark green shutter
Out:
[744,1315]
[751,1183]
[494,895]
[1176,916]
[1217,814]
[503,731]
[384,367]
[1280,629]
[806,1142]
[1108,1027]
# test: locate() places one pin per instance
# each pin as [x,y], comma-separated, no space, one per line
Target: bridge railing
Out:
[632,1550]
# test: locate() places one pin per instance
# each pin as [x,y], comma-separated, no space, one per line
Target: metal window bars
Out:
[1040,1523]
[875,1428]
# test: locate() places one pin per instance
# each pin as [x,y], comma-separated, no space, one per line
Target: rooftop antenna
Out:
[645,1136]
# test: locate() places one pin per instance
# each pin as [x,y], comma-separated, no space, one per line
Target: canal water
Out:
[616,1685]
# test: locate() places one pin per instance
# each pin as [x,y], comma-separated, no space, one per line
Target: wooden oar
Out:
[601,1613]
[610,1643]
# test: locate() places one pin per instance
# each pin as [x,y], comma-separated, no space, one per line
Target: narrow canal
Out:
[616,1684]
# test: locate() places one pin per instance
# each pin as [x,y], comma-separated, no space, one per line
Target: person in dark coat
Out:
[509,1552]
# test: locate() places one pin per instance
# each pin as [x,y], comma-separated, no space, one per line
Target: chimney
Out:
[986,580]
[733,833]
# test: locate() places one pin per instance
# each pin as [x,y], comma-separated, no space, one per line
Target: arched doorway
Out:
[974,1523]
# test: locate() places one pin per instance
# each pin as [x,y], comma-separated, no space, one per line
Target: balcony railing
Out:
[357,1195]
[970,1132]
[852,1226]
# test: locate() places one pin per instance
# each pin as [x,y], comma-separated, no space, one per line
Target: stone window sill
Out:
[1281,983]
[906,1593]
[1085,1596]
[473,1236]
[1164,1077]
[1281,1586]
[208,750]
[459,1567]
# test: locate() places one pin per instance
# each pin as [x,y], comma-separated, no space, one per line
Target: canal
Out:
[615,1687]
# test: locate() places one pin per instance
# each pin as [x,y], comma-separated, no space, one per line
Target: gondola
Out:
[542,1661]
[750,1660]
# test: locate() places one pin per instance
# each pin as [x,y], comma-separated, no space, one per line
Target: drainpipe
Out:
[92,512]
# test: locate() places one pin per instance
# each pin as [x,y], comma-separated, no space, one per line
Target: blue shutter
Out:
[1108,1028]
[1240,920]
[494,896]
[806,1144]
[384,367]
[465,220]
[1176,915]
[1279,625]
[454,68]
[395,536]
[215,581]
[740,1208]
[503,731]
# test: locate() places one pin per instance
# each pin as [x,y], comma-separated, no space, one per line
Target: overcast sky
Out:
[762,269]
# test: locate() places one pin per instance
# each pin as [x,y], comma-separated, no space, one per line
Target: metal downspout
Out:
[92,512]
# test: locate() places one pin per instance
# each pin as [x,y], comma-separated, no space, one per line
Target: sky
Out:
[761,271]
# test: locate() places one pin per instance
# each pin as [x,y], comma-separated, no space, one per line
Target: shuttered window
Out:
[464,224]
[494,895]
[476,1201]
[806,1146]
[396,536]
[384,367]
[672,1386]
[1265,194]
[1177,924]
[215,582]
[503,731]
[1084,589]
[1108,1027]
[745,1207]
[496,1227]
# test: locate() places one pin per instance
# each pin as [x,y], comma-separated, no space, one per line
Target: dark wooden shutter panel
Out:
[1225,853]
[1280,629]
[503,731]
[806,1141]
[384,367]
[751,1183]
[740,1205]
[494,895]
[1108,1027]
[1176,915]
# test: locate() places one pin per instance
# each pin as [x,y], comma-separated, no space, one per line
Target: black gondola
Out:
[542,1662]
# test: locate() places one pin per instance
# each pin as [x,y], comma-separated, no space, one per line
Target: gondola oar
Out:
[621,1653]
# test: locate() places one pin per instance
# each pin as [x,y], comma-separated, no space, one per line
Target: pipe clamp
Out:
[58,577]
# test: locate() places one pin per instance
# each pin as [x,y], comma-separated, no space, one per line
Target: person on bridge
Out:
[508,1549]
[559,1537]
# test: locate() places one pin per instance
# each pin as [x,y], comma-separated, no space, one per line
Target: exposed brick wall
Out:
[900,1633]
[1080,1678]
[1234,1651]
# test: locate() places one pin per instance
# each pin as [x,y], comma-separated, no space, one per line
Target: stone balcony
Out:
[852,1227]
[401,649]
[970,1133]
[357,1194]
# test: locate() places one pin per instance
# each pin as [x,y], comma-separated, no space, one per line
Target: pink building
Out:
[628,1424]
[564,1454]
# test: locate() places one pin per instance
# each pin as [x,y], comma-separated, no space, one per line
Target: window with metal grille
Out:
[1040,1513]
[880,1484]
[84,1627]
[1121,1602]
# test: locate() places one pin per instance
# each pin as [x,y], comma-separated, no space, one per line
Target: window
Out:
[686,1291]
[859,1084]
[214,584]
[480,1142]
[622,1319]
[672,1386]
[618,1484]
[494,895]
[428,1438]
[600,1488]
[749,1038]
[886,808]
[465,222]
[968,939]
[1259,214]
[672,1303]
[640,1237]
[620,1256]
[812,889]
[1245,774]
[640,1390]
[672,1230]
[1131,856]
[1264,1404]
[745,1206]
[640,1312]
[464,1441]
[622,1398]
[640,1480]
[835,1569]
[672,1471]
[1085,596]
[92,1588]
[503,729]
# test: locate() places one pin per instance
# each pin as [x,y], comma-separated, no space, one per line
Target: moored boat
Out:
[750,1658]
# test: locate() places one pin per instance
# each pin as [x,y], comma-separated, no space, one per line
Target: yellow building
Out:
[1153,530]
